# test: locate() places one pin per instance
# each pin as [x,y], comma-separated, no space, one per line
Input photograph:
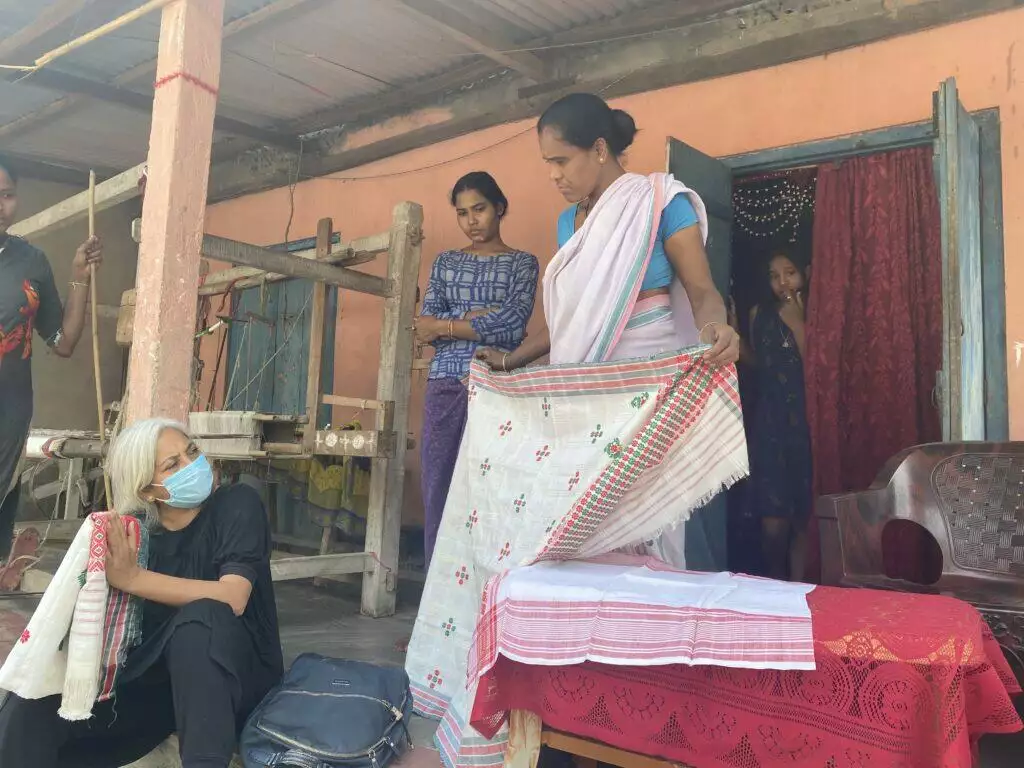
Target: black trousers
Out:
[13,432]
[186,692]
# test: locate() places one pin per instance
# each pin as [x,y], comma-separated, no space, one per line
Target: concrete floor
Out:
[328,621]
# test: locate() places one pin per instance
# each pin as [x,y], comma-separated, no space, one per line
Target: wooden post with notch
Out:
[160,371]
[394,379]
[317,321]
[314,377]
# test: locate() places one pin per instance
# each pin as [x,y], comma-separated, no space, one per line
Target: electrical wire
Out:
[337,64]
[419,169]
[281,74]
[291,193]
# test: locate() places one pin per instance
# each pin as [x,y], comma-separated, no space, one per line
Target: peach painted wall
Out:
[875,86]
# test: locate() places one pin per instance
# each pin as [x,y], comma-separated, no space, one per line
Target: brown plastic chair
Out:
[969,498]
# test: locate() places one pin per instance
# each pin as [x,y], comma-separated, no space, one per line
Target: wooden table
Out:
[901,680]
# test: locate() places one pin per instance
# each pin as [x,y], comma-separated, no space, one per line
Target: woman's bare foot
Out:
[23,555]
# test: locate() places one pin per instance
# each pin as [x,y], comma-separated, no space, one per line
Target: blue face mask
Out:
[190,486]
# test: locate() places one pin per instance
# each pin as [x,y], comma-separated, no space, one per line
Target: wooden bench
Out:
[527,735]
[589,753]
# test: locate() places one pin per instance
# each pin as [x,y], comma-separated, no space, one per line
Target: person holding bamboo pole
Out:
[30,301]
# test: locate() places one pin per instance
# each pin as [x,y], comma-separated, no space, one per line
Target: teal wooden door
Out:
[712,180]
[706,532]
[958,175]
[268,346]
[268,354]
[251,344]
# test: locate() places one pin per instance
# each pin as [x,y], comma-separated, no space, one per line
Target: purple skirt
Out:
[444,418]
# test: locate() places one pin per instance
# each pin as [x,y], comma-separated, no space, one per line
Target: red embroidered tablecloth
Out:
[902,681]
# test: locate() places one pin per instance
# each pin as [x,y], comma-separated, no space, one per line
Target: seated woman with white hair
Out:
[210,648]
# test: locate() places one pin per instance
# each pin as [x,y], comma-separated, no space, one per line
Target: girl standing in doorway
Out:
[780,446]
[481,294]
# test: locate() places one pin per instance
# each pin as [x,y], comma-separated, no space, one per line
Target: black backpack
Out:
[330,713]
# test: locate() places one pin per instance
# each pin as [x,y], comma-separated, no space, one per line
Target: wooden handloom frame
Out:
[386,444]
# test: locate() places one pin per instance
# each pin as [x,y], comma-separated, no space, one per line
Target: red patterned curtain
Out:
[874,317]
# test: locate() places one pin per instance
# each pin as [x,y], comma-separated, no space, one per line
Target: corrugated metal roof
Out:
[120,51]
[353,49]
[542,17]
[310,58]
[16,100]
[100,134]
[105,135]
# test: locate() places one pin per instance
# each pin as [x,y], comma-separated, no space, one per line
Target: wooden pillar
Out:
[387,478]
[317,329]
[173,213]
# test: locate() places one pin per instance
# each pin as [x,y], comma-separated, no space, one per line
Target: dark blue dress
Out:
[780,444]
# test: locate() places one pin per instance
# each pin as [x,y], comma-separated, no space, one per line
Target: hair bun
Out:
[580,119]
[623,129]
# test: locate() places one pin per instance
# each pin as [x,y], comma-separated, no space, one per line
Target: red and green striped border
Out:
[677,408]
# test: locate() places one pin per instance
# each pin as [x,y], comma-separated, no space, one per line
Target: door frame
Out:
[997,417]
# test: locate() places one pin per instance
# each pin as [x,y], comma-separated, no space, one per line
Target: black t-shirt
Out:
[28,301]
[229,536]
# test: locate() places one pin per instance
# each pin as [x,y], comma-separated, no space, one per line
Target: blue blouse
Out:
[461,283]
[678,214]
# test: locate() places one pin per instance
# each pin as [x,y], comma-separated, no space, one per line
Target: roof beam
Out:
[44,168]
[484,41]
[700,51]
[659,18]
[114,191]
[393,99]
[135,75]
[652,19]
[63,82]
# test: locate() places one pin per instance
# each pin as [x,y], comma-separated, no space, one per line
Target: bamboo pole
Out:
[96,337]
[88,37]
[110,26]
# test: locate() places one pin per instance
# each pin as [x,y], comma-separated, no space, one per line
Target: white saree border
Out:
[563,462]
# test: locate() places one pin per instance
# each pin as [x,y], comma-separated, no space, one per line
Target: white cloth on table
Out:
[627,610]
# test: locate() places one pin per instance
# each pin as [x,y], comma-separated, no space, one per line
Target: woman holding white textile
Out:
[630,430]
[611,291]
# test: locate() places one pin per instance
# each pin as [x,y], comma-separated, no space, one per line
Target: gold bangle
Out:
[76,284]
[504,362]
[451,329]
